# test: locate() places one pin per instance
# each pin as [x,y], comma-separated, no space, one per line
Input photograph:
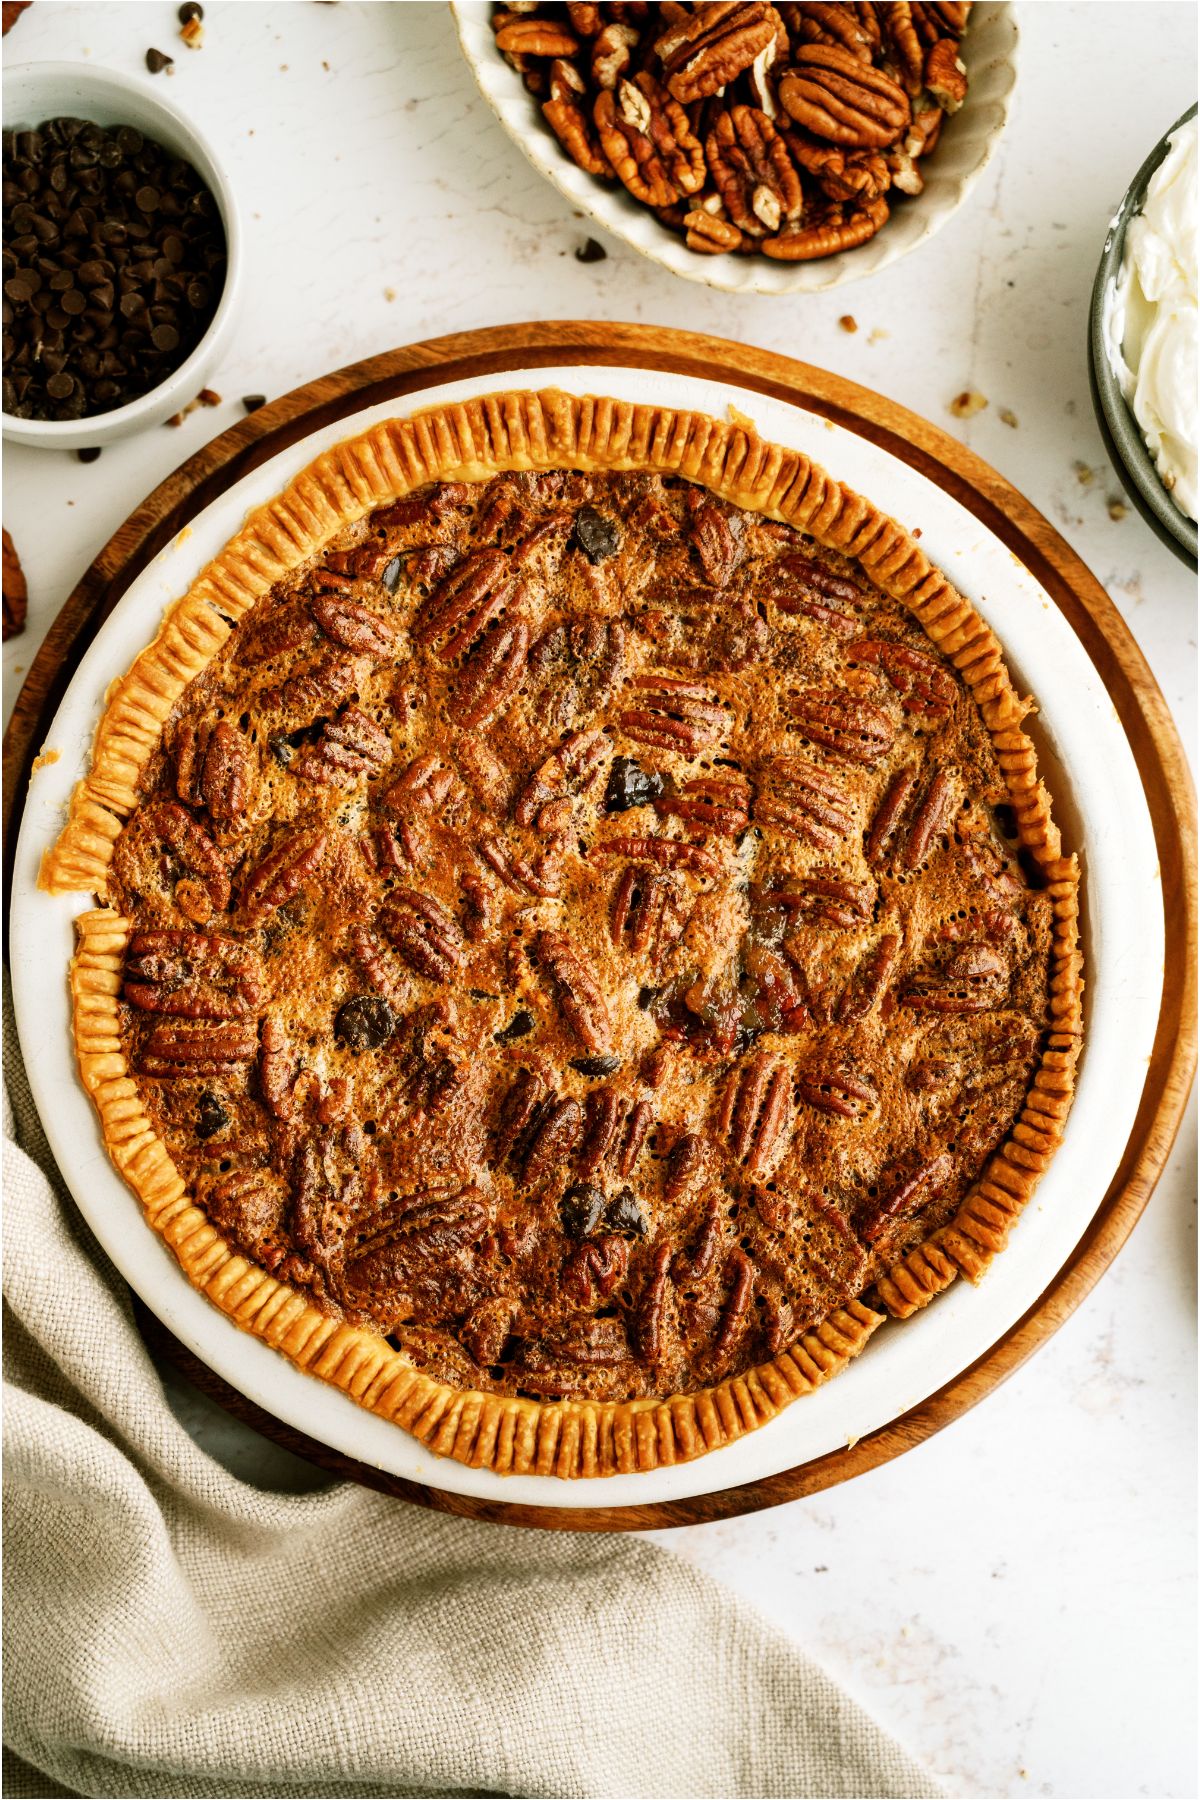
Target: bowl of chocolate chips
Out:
[121,257]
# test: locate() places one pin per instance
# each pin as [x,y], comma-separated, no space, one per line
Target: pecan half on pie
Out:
[582,937]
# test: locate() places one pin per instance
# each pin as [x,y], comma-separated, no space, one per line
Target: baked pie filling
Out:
[583,941]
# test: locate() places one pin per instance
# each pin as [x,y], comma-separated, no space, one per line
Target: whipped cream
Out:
[1150,319]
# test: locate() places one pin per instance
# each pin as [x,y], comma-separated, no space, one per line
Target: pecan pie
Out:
[582,938]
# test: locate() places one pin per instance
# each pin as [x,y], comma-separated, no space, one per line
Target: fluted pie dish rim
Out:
[572,1437]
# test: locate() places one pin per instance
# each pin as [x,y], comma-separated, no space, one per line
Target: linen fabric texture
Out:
[172,1630]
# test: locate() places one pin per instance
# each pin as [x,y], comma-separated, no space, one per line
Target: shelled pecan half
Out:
[670,714]
[648,140]
[754,1113]
[708,46]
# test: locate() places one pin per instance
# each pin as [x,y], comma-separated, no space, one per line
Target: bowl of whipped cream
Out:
[1143,354]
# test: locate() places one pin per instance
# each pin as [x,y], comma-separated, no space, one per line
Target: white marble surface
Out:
[1015,1598]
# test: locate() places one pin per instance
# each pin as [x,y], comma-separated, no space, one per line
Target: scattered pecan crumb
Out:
[848,322]
[877,336]
[1117,509]
[967,404]
[191,31]
[1084,473]
[157,62]
[16,594]
[389,293]
[206,397]
[591,252]
[1008,417]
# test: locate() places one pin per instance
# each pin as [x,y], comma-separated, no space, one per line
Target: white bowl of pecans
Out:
[757,148]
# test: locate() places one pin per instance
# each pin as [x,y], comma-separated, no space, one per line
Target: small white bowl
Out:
[964,150]
[44,90]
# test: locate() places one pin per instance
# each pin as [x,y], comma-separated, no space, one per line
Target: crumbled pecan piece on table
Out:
[16,593]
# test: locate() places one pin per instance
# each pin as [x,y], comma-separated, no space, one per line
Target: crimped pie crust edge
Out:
[470,441]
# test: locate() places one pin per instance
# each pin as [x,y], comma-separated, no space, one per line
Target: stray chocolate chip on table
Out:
[252,402]
[158,60]
[591,252]
[91,454]
[114,261]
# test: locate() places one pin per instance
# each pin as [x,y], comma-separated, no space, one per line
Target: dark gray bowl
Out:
[1120,430]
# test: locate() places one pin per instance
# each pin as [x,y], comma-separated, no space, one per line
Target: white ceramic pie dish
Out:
[1098,801]
[968,143]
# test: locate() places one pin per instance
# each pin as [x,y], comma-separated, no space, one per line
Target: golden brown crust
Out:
[469,441]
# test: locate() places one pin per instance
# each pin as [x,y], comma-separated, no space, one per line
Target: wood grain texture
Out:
[399,376]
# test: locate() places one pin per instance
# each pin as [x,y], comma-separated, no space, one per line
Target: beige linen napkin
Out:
[171,1630]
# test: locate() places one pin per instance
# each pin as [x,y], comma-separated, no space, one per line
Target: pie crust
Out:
[472,442]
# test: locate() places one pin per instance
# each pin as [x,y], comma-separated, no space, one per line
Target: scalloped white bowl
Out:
[967,145]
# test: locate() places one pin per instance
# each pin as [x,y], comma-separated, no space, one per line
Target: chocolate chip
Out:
[630,785]
[519,1026]
[590,252]
[365,1022]
[156,62]
[581,1209]
[624,1214]
[252,402]
[595,1066]
[598,536]
[191,9]
[91,454]
[211,1116]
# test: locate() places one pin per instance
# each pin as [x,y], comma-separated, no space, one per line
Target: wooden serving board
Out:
[400,376]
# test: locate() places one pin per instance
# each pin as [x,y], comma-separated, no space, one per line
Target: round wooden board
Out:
[399,376]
